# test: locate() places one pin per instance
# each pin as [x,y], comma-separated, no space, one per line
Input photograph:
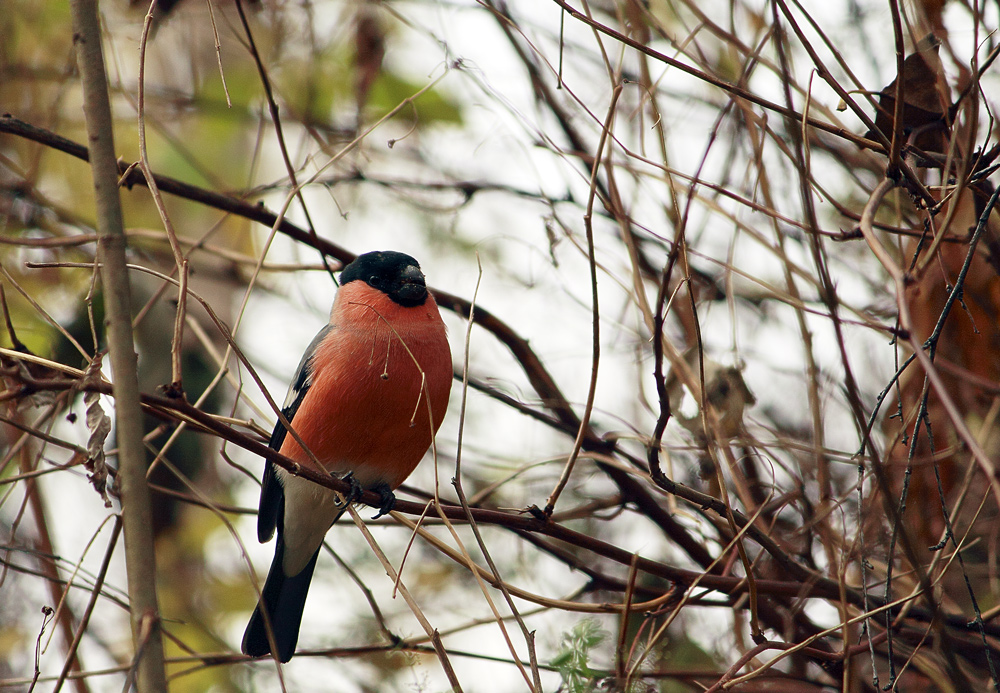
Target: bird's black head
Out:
[396,274]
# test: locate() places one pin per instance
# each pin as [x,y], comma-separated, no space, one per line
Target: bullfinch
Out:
[367,399]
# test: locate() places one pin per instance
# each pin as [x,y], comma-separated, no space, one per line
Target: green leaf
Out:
[573,660]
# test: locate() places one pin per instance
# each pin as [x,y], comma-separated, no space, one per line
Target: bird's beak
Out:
[413,287]
[412,275]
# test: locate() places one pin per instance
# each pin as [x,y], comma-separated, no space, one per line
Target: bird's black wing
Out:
[271,492]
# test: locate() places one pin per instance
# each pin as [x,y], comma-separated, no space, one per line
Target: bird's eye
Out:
[373,280]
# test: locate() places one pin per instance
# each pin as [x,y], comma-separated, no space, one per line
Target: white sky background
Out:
[498,142]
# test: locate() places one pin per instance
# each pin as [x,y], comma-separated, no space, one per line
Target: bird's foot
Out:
[387,500]
[355,491]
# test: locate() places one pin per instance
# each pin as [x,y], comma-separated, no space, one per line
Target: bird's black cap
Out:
[396,274]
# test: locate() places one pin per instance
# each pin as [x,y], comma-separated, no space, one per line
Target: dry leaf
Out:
[925,102]
[99,425]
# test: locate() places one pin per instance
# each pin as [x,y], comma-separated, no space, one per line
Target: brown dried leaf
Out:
[99,425]
[925,102]
[966,357]
[726,392]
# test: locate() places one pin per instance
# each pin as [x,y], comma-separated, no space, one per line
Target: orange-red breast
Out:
[359,402]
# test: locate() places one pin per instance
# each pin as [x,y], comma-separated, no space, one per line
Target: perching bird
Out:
[359,401]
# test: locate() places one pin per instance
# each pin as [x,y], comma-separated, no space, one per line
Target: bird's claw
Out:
[387,500]
[355,491]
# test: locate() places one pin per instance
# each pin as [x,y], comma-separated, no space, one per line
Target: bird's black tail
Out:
[283,598]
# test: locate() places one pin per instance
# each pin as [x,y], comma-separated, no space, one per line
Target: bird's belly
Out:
[369,416]
[316,510]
